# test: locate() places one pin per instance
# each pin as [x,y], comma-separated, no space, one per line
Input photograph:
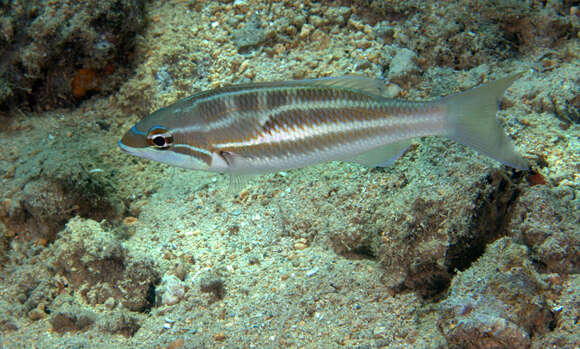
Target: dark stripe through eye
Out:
[159,138]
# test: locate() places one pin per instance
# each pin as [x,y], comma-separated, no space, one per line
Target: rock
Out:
[214,284]
[171,290]
[392,91]
[500,302]
[46,207]
[546,220]
[45,50]
[566,332]
[338,14]
[72,318]
[97,266]
[403,68]
[120,323]
[52,194]
[250,36]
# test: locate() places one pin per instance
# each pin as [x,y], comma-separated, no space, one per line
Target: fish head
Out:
[158,137]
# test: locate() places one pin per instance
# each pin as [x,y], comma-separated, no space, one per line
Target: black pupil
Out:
[159,141]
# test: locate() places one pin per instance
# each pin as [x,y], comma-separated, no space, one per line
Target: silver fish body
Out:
[266,127]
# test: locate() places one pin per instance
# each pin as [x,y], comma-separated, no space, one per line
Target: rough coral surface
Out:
[46,44]
[46,194]
[546,220]
[502,301]
[96,264]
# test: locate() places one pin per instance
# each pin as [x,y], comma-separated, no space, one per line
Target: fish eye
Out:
[159,137]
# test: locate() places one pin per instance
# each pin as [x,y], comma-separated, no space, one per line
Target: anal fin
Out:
[383,156]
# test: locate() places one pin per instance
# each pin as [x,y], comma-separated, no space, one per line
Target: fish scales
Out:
[265,127]
[312,121]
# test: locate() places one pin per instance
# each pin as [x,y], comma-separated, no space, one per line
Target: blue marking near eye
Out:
[158,127]
[135,131]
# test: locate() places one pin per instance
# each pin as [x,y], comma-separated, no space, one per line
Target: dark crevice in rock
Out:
[362,252]
[150,298]
[489,220]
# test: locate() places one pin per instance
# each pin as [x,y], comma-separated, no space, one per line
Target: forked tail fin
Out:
[473,122]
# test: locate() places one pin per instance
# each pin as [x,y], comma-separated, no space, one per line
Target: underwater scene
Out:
[290,174]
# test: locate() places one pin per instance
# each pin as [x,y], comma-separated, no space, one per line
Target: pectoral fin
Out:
[237,183]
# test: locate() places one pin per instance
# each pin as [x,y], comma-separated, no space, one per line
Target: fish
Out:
[256,128]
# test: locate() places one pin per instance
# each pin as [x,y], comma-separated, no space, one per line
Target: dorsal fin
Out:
[351,82]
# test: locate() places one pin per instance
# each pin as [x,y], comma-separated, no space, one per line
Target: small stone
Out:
[316,21]
[130,220]
[220,336]
[250,74]
[363,44]
[300,246]
[338,15]
[249,36]
[36,314]
[392,91]
[306,30]
[245,64]
[213,284]
[298,20]
[311,272]
[290,30]
[379,332]
[279,49]
[171,290]
[403,64]
[194,233]
[110,303]
[241,6]
[362,64]
[41,242]
[178,343]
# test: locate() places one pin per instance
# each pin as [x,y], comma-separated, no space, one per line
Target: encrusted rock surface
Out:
[96,264]
[500,302]
[56,53]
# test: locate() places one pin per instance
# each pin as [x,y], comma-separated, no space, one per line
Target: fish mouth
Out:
[132,141]
[126,149]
